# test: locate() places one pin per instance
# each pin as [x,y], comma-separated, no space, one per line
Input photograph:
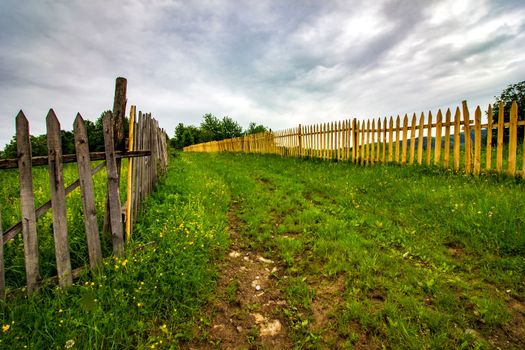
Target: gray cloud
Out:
[279,63]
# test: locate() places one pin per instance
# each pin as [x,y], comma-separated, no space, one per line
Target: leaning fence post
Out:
[27,202]
[58,200]
[87,191]
[113,187]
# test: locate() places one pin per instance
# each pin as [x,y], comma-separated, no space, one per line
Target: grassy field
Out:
[369,257]
[386,256]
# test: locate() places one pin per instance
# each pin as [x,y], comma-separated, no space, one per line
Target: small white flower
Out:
[69,344]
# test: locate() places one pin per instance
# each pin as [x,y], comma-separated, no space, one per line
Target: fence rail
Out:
[147,143]
[451,141]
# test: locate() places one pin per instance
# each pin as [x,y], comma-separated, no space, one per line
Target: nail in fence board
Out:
[87,192]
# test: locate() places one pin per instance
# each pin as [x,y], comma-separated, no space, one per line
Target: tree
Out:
[211,128]
[230,128]
[513,92]
[253,128]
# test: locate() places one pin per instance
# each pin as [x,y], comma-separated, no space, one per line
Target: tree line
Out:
[211,129]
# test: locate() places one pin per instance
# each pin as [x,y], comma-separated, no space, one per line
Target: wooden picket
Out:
[396,140]
[148,143]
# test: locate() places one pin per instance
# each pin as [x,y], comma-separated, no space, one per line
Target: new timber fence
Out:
[451,141]
[147,155]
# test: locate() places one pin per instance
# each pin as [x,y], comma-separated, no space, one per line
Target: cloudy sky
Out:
[278,63]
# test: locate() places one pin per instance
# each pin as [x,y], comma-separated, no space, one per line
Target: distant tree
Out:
[230,128]
[211,128]
[9,151]
[185,136]
[513,92]
[253,128]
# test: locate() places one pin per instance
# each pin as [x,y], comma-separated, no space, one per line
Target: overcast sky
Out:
[279,63]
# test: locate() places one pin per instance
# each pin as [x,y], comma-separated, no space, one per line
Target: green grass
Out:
[10,207]
[424,258]
[150,297]
[399,257]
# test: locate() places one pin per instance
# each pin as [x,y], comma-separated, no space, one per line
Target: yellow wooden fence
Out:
[451,141]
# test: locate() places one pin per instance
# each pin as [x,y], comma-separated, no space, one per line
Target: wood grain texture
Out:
[113,187]
[58,201]
[27,202]
[87,192]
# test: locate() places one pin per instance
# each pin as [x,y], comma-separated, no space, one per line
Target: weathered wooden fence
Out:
[454,142]
[147,145]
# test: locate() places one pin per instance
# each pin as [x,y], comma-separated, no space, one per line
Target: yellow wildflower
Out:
[6,327]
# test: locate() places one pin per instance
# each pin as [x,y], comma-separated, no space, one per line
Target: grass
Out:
[421,257]
[382,256]
[150,297]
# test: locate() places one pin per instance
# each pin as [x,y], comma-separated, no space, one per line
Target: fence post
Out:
[87,191]
[300,141]
[58,200]
[468,140]
[129,195]
[27,202]
[119,111]
[113,187]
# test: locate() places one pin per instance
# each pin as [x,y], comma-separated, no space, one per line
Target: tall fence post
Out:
[118,116]
[27,202]
[299,136]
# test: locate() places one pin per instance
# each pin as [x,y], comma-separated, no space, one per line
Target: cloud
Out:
[273,62]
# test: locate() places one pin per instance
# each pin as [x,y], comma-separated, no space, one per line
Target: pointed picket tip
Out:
[373,123]
[51,119]
[439,115]
[21,118]
[458,111]
[79,119]
[478,110]
[422,117]
[514,107]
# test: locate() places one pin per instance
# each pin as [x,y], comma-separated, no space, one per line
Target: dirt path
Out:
[248,310]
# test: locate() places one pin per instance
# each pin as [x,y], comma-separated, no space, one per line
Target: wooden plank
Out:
[354,140]
[398,129]
[2,266]
[363,144]
[87,192]
[373,142]
[378,158]
[513,139]
[405,136]
[429,139]
[385,127]
[488,156]
[446,156]
[58,201]
[27,202]
[420,139]
[72,158]
[412,140]
[390,140]
[457,139]
[439,127]
[468,141]
[477,141]
[367,142]
[113,187]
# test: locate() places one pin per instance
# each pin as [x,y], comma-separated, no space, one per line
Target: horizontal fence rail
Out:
[450,140]
[147,144]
